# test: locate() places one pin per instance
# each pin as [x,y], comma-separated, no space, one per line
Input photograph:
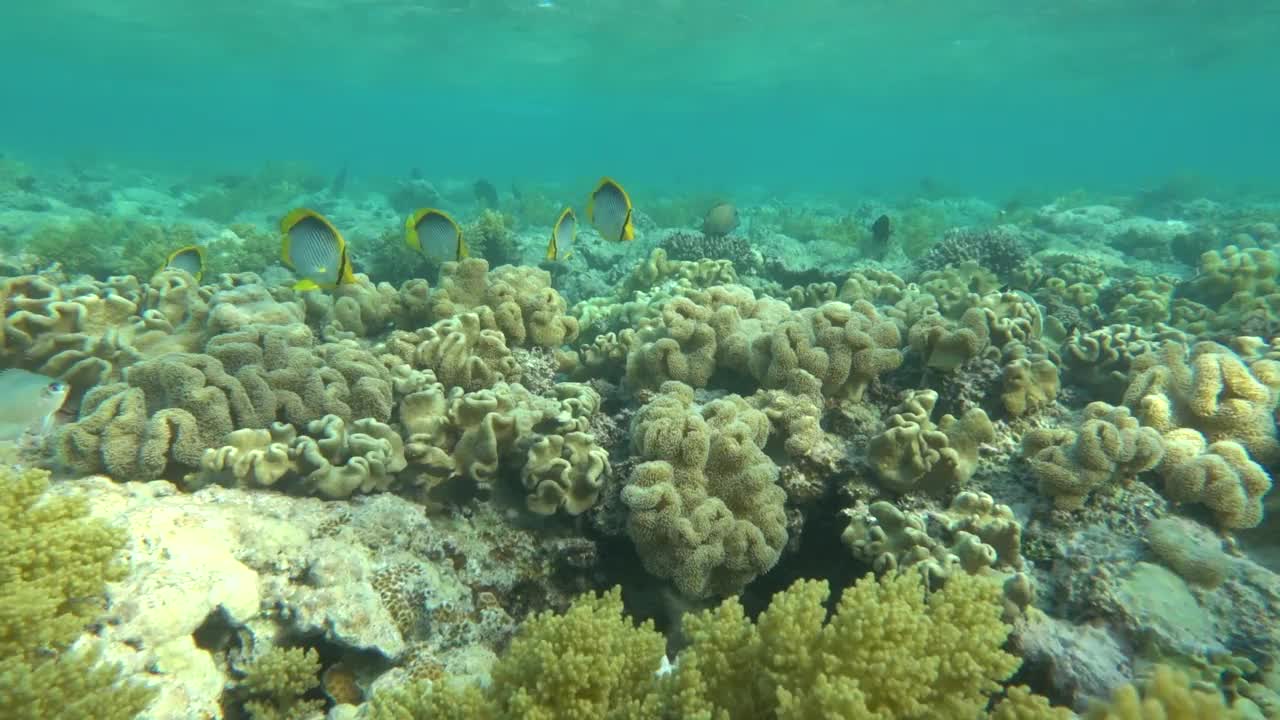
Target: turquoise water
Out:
[832,96]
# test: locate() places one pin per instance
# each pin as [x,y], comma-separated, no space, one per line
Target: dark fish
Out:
[881,230]
[415,174]
[515,191]
[230,182]
[721,220]
[340,180]
[1006,288]
[486,194]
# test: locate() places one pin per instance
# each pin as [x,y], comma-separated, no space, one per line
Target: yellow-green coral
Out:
[1021,704]
[588,663]
[275,682]
[55,563]
[891,651]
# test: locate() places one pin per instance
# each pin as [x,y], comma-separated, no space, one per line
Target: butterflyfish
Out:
[189,259]
[562,235]
[434,234]
[314,249]
[28,402]
[609,210]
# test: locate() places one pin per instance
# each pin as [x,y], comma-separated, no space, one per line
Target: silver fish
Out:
[28,402]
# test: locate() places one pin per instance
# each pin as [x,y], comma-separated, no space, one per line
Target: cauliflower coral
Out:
[891,651]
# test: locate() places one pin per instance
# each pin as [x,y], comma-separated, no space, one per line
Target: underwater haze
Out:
[811,95]
[639,359]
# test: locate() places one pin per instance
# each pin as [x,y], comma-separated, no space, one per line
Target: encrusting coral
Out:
[1109,447]
[1210,389]
[525,308]
[481,436]
[726,328]
[704,506]
[913,452]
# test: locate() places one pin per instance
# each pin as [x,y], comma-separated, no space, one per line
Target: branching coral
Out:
[999,249]
[55,563]
[275,682]
[890,651]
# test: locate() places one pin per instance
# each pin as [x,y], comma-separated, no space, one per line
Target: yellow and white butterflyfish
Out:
[609,210]
[314,249]
[189,259]
[434,234]
[562,235]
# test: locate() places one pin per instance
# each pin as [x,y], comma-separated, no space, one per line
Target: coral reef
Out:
[1049,430]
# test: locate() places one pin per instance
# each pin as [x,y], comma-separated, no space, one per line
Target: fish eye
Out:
[56,387]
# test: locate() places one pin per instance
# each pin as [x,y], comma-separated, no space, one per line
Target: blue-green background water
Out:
[828,95]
